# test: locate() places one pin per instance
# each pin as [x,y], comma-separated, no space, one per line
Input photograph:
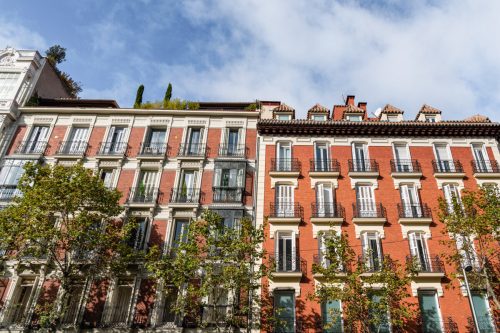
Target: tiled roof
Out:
[353,109]
[318,108]
[478,118]
[427,109]
[388,108]
[283,108]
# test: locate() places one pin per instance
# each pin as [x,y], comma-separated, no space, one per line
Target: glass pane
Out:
[429,310]
[482,313]
[332,317]
[284,312]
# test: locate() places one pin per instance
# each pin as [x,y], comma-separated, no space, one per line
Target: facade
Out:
[169,165]
[378,180]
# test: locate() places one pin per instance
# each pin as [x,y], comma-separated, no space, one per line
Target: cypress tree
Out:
[138,97]
[168,95]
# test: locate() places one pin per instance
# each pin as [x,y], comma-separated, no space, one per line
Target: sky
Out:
[300,52]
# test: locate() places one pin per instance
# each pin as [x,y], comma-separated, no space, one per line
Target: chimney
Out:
[362,105]
[350,100]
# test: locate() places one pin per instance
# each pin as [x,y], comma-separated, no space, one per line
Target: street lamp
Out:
[465,269]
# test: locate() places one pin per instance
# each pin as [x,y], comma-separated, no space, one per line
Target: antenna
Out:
[377,112]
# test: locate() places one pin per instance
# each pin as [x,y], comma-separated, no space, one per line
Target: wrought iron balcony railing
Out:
[363,166]
[370,262]
[405,166]
[414,211]
[442,166]
[8,192]
[232,150]
[288,264]
[72,148]
[113,148]
[285,164]
[447,325]
[143,194]
[228,194]
[487,324]
[368,209]
[485,167]
[321,260]
[288,325]
[192,150]
[185,195]
[324,165]
[31,147]
[286,210]
[327,209]
[153,149]
[426,265]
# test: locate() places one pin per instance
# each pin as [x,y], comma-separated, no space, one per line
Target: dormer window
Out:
[352,117]
[284,116]
[430,119]
[319,117]
[392,119]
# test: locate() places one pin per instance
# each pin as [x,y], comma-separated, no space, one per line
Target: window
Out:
[187,190]
[169,303]
[286,260]
[319,117]
[324,200]
[372,251]
[481,158]
[483,313]
[284,156]
[116,140]
[451,195]
[73,305]
[155,141]
[402,157]
[194,141]
[77,141]
[108,177]
[180,232]
[121,302]
[365,201]
[284,310]
[324,255]
[331,313]
[443,158]
[284,117]
[217,306]
[392,118]
[379,315]
[21,302]
[429,311]
[360,156]
[418,250]
[10,174]
[137,239]
[409,198]
[37,140]
[8,85]
[284,201]
[321,157]
[232,141]
[145,190]
[354,118]
[430,119]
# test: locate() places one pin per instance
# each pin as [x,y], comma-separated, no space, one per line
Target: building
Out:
[169,165]
[376,179]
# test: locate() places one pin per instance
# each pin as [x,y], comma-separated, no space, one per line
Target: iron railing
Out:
[8,192]
[288,325]
[363,166]
[448,325]
[371,263]
[185,195]
[285,210]
[485,166]
[324,165]
[227,194]
[405,166]
[414,211]
[426,265]
[192,149]
[113,148]
[285,164]
[72,148]
[327,209]
[322,261]
[486,324]
[118,316]
[153,149]
[232,150]
[453,166]
[31,147]
[288,264]
[368,209]
[143,194]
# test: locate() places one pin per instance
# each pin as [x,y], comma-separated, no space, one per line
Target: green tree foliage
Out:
[369,300]
[168,95]
[65,219]
[214,266]
[473,221]
[138,97]
[56,54]
[174,104]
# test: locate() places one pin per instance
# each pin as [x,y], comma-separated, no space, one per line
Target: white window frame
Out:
[286,235]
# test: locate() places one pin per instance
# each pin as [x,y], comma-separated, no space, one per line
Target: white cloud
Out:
[15,35]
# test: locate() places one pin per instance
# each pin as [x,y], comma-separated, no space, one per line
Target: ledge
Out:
[363,174]
[487,175]
[327,220]
[429,275]
[285,174]
[406,174]
[449,175]
[189,158]
[415,220]
[287,275]
[369,220]
[321,174]
[284,220]
[150,157]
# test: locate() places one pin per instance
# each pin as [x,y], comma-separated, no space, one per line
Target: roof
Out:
[427,109]
[318,108]
[353,109]
[81,103]
[283,108]
[388,108]
[478,118]
[225,105]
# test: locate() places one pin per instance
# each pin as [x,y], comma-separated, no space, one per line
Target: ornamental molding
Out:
[197,122]
[8,57]
[120,121]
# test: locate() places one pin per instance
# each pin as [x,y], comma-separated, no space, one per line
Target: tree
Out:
[213,270]
[473,222]
[67,218]
[370,301]
[168,95]
[138,97]
[56,54]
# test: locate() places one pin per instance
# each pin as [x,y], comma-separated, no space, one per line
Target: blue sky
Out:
[444,53]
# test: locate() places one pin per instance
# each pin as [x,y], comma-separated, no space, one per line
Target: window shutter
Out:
[413,244]
[217,177]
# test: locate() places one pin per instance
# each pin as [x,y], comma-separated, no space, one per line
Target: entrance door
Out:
[284,311]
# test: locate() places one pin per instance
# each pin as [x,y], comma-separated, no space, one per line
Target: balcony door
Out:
[180,232]
[372,250]
[73,305]
[451,195]
[321,157]
[284,311]
[429,311]
[409,199]
[443,158]
[21,303]
[360,157]
[188,183]
[481,158]
[156,141]
[286,252]
[77,140]
[37,140]
[324,200]
[331,313]
[284,201]
[119,312]
[194,139]
[137,238]
[365,201]
[116,138]
[418,250]
[232,141]
[403,159]
[284,156]
[146,185]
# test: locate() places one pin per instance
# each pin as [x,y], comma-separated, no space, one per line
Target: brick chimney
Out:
[349,100]
[362,105]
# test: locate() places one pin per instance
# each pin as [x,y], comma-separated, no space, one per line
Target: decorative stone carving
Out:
[8,56]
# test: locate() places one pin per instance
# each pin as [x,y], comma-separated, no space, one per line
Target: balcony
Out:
[232,151]
[190,196]
[324,168]
[143,195]
[289,325]
[191,151]
[405,169]
[368,210]
[72,148]
[285,212]
[31,147]
[287,167]
[447,325]
[8,192]
[370,263]
[486,169]
[152,150]
[112,149]
[448,169]
[326,214]
[363,168]
[486,324]
[320,261]
[288,266]
[427,267]
[228,194]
